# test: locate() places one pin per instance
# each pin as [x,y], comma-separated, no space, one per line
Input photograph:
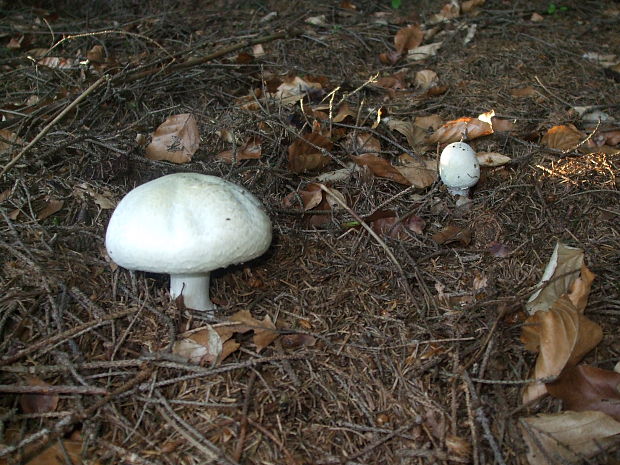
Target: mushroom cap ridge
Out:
[187,223]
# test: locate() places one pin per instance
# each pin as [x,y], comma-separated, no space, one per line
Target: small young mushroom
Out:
[187,225]
[459,168]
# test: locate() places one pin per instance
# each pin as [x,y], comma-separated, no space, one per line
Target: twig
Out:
[483,420]
[50,342]
[270,435]
[47,128]
[378,442]
[373,234]
[14,389]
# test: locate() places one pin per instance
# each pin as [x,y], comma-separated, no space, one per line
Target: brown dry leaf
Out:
[264,331]
[579,290]
[389,58]
[562,269]
[453,233]
[502,125]
[426,78]
[612,137]
[38,403]
[55,455]
[465,128]
[567,438]
[258,50]
[362,143]
[51,206]
[415,135]
[303,154]
[499,250]
[450,10]
[391,226]
[251,150]
[470,5]
[293,89]
[344,112]
[433,122]
[584,387]
[175,140]
[347,5]
[96,54]
[420,172]
[297,340]
[11,137]
[563,137]
[200,347]
[492,159]
[408,38]
[380,167]
[310,196]
[519,92]
[393,83]
[561,336]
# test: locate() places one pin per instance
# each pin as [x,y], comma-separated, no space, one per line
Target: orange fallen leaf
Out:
[563,137]
[453,233]
[175,140]
[561,336]
[408,38]
[380,167]
[362,143]
[251,150]
[305,153]
[585,387]
[465,128]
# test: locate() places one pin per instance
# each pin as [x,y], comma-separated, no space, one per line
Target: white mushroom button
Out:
[459,168]
[187,225]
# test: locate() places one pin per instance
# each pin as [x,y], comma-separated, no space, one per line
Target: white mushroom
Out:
[459,168]
[187,225]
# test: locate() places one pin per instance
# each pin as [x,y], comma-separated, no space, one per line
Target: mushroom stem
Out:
[194,288]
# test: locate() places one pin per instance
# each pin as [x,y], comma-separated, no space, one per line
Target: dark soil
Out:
[415,363]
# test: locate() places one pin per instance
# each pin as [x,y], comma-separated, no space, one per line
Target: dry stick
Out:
[47,128]
[373,234]
[483,420]
[59,429]
[202,60]
[50,342]
[14,389]
[243,429]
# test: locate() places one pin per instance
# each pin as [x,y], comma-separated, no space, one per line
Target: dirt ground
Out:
[394,348]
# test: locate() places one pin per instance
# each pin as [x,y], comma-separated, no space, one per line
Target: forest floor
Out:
[387,323]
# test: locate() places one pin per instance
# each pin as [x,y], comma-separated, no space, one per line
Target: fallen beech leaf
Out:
[393,83]
[492,159]
[568,438]
[424,51]
[528,91]
[426,78]
[408,38]
[264,335]
[449,11]
[202,347]
[465,128]
[344,112]
[563,137]
[347,5]
[38,403]
[264,331]
[175,140]
[294,341]
[453,233]
[58,63]
[380,167]
[579,290]
[612,137]
[341,174]
[51,206]
[561,336]
[563,268]
[362,143]
[251,150]
[293,89]
[415,135]
[389,58]
[470,5]
[499,250]
[304,153]
[310,196]
[392,227]
[96,54]
[11,137]
[502,125]
[584,387]
[420,173]
[536,18]
[428,122]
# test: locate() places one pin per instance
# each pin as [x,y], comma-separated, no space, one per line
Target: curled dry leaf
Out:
[175,140]
[453,233]
[380,167]
[433,122]
[465,128]
[563,137]
[568,438]
[96,54]
[420,172]
[305,153]
[251,150]
[585,387]
[344,112]
[502,125]
[426,78]
[424,51]
[310,197]
[200,347]
[391,226]
[295,341]
[561,336]
[264,331]
[470,6]
[408,38]
[563,268]
[492,159]
[293,88]
[416,136]
[38,403]
[362,143]
[50,207]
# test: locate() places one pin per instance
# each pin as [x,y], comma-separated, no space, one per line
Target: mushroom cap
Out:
[187,223]
[458,167]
